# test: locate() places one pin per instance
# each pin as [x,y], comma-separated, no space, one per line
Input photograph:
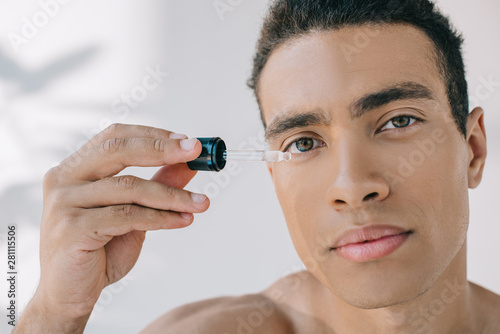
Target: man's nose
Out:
[357,176]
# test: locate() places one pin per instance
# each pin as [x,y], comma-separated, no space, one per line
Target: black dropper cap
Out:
[211,157]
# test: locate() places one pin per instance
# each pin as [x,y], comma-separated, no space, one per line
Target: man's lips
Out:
[370,242]
[367,233]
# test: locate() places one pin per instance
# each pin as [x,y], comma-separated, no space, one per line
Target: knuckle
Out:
[114,128]
[110,131]
[111,146]
[51,176]
[127,181]
[159,145]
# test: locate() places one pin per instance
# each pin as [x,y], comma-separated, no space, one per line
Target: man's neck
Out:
[446,307]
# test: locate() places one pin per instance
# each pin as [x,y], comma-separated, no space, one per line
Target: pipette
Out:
[214,155]
[272,156]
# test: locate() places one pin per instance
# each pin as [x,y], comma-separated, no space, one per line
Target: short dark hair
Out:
[290,19]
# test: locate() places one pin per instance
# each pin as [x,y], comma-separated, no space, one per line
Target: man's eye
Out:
[303,145]
[400,122]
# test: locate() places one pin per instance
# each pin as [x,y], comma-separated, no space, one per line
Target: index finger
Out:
[120,130]
[113,155]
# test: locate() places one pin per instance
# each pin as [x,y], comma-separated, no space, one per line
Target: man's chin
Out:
[378,292]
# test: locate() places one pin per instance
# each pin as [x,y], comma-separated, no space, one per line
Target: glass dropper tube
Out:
[214,154]
[271,156]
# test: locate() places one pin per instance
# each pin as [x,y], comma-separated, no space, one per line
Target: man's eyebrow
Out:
[285,122]
[407,90]
[401,91]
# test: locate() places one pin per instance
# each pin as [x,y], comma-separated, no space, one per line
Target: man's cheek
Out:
[296,203]
[421,160]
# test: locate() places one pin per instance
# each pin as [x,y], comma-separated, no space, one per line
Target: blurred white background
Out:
[65,83]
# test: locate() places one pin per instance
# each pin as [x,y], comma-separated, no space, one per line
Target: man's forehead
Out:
[350,47]
[316,67]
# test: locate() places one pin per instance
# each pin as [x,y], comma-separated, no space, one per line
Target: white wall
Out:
[58,89]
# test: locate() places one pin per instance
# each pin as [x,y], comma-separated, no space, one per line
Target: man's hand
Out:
[94,223]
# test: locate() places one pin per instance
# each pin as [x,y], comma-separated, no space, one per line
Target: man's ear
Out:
[476,142]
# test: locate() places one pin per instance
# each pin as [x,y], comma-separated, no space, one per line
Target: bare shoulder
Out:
[292,290]
[298,295]
[249,313]
[488,307]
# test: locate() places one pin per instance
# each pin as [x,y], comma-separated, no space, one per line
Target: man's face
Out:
[378,145]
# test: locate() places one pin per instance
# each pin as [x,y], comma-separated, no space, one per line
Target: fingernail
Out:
[186,215]
[198,198]
[174,135]
[188,144]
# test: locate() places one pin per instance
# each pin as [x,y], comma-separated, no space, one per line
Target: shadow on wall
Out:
[35,80]
[21,203]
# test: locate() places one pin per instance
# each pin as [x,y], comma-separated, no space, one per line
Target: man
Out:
[371,100]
